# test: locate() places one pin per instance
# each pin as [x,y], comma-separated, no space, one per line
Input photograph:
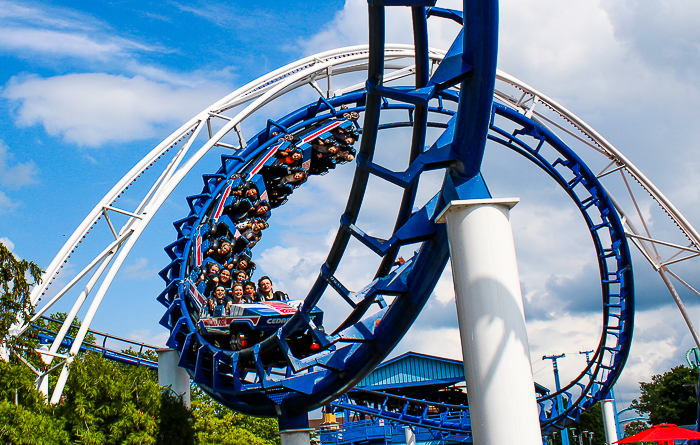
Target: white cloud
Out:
[6,204]
[225,15]
[661,341]
[16,175]
[48,31]
[13,12]
[139,270]
[677,50]
[7,243]
[27,42]
[425,341]
[349,27]
[149,337]
[292,269]
[92,109]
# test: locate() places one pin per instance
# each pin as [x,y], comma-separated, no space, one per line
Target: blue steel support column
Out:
[480,50]
[560,400]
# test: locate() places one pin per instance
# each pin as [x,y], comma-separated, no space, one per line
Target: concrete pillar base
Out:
[296,437]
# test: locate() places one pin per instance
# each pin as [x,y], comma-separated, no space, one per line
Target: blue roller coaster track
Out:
[271,377]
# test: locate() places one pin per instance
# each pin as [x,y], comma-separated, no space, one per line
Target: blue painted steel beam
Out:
[479,51]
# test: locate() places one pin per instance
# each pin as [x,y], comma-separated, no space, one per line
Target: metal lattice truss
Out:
[661,245]
[222,124]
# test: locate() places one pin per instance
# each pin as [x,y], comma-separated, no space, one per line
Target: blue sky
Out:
[86,89]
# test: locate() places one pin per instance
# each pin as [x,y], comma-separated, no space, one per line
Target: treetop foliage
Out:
[16,279]
[113,403]
[666,398]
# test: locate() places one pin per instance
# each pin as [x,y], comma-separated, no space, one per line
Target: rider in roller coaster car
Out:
[344,156]
[247,190]
[260,209]
[220,251]
[251,232]
[225,280]
[245,264]
[210,272]
[219,304]
[237,294]
[322,148]
[266,293]
[244,208]
[241,276]
[249,291]
[279,188]
[290,157]
[345,138]
[322,157]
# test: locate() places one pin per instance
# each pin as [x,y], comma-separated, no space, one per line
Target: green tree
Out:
[17,385]
[110,403]
[176,425]
[216,424]
[666,398]
[24,416]
[634,427]
[146,354]
[20,426]
[113,403]
[16,279]
[592,421]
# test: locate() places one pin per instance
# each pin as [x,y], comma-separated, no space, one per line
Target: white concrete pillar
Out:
[171,375]
[495,347]
[410,435]
[296,437]
[609,423]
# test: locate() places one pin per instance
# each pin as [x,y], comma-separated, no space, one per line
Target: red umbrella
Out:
[662,433]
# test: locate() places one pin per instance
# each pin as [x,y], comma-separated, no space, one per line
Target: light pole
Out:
[576,438]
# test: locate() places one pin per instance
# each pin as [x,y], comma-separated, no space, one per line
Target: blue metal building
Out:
[391,388]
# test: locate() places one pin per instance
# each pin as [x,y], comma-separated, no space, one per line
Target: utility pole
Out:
[560,400]
[588,355]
